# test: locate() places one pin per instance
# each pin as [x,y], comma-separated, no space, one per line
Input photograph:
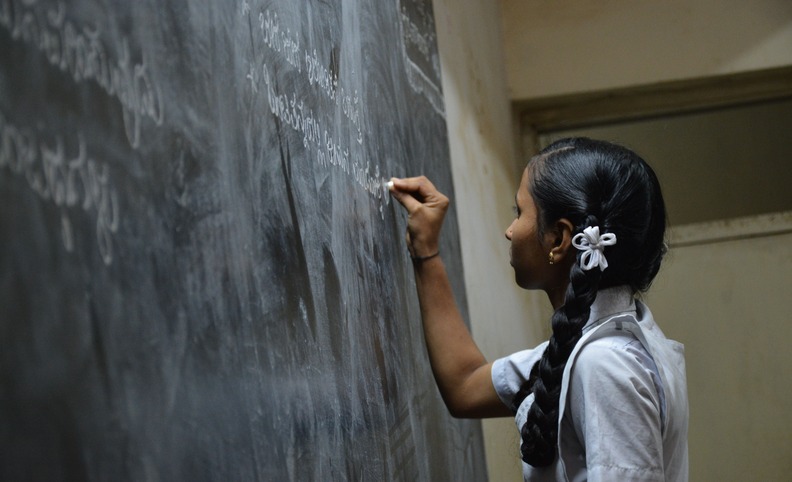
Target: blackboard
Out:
[201,274]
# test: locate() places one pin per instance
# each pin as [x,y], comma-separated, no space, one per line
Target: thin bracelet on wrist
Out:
[424,258]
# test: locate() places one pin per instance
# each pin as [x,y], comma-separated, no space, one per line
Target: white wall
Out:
[504,318]
[555,48]
[726,300]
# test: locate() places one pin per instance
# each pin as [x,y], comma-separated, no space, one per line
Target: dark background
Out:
[201,274]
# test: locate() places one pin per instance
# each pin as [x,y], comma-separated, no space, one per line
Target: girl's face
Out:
[529,252]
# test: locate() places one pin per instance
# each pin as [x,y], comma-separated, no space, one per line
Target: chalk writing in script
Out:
[67,181]
[80,52]
[293,110]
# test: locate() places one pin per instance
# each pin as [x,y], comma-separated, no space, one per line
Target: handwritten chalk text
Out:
[290,105]
[66,181]
[80,52]
[291,110]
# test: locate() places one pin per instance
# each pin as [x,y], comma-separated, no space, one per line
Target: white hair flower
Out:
[593,247]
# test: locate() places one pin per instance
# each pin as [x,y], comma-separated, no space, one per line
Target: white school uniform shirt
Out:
[623,404]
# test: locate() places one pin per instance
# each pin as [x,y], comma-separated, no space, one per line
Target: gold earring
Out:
[552,261]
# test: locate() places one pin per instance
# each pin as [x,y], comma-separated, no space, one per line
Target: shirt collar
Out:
[609,302]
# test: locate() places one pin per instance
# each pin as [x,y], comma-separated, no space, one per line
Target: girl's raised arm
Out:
[461,372]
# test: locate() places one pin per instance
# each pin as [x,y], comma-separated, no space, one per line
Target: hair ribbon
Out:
[593,246]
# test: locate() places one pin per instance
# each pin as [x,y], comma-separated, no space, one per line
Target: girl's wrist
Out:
[420,259]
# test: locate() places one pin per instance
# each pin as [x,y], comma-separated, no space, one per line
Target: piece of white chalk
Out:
[389,185]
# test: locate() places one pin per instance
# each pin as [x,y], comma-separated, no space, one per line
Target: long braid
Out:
[540,431]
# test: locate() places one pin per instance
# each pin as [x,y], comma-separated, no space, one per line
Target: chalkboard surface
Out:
[201,274]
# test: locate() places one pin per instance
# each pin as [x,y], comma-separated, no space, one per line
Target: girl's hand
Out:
[426,208]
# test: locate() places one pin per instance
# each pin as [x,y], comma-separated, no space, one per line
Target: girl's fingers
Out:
[420,185]
[420,189]
[406,199]
[426,207]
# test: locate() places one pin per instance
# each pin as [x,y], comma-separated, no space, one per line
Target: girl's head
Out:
[596,183]
[571,185]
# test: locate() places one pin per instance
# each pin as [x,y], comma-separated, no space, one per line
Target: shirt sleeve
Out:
[509,373]
[615,407]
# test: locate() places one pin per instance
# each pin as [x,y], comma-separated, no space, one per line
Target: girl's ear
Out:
[561,240]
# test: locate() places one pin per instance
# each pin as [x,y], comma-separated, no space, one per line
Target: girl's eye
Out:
[516,211]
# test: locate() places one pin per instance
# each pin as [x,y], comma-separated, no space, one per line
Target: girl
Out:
[605,397]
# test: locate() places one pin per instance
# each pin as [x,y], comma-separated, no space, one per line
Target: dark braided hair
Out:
[590,183]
